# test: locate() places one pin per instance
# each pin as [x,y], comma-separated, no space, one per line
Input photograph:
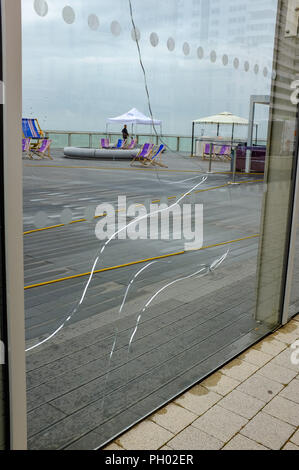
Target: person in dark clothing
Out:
[125,132]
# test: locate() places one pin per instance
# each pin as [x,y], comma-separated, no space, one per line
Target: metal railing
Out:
[91,139]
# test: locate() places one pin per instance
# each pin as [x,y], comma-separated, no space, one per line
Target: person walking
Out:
[125,132]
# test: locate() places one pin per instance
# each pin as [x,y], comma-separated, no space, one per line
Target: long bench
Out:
[89,153]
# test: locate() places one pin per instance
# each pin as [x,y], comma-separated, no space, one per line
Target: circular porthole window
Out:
[154,39]
[236,63]
[186,48]
[200,53]
[40,7]
[68,15]
[115,28]
[171,44]
[225,59]
[213,56]
[135,34]
[40,219]
[93,22]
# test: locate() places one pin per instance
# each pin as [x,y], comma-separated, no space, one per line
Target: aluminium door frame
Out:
[13,220]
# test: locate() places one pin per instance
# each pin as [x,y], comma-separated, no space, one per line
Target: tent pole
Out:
[192,139]
[218,129]
[233,128]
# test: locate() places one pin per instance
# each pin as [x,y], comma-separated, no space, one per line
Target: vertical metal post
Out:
[192,140]
[250,134]
[234,164]
[90,141]
[210,160]
[178,144]
[69,139]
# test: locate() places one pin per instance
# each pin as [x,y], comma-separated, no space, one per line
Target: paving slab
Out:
[260,387]
[220,383]
[278,373]
[194,439]
[198,400]
[240,442]
[220,423]
[242,404]
[268,431]
[145,436]
[283,409]
[174,418]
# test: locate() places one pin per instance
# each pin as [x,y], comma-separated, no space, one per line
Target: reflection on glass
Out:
[117,326]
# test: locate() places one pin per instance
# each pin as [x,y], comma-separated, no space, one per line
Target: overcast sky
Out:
[74,77]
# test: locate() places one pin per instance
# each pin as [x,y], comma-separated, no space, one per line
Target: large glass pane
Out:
[143,274]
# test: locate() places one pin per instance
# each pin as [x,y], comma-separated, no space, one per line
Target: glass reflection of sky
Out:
[76,75]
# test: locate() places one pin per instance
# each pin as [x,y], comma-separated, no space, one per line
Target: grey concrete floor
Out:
[78,393]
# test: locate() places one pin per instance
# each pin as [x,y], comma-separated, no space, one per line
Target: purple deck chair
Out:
[26,147]
[131,145]
[225,151]
[105,144]
[44,149]
[156,156]
[206,150]
[144,153]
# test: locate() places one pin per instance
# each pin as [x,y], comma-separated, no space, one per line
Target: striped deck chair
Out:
[26,147]
[156,156]
[119,144]
[131,145]
[105,144]
[143,154]
[31,129]
[225,152]
[206,151]
[44,149]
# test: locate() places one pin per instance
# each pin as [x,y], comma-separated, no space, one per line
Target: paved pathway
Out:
[250,404]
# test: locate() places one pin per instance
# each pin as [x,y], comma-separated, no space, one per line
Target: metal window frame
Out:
[292,236]
[13,219]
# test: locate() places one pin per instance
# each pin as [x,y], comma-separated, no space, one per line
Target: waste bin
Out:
[258,157]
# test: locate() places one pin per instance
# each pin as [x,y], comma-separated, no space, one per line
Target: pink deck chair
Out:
[43,150]
[26,147]
[105,144]
[131,145]
[144,153]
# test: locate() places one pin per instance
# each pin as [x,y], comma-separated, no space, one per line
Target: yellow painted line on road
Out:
[111,268]
[75,167]
[137,205]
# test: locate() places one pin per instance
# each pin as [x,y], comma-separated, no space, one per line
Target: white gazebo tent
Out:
[220,119]
[134,117]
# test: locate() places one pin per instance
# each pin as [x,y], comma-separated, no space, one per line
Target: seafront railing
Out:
[90,139]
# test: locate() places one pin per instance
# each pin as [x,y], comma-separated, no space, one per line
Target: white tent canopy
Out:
[223,118]
[134,117]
